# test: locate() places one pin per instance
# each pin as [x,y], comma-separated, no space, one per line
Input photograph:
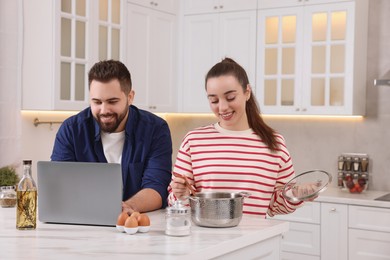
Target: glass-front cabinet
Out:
[76,33]
[311,58]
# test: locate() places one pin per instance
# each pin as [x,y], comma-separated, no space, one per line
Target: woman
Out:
[238,153]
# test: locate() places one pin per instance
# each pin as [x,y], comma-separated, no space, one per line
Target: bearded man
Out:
[113,130]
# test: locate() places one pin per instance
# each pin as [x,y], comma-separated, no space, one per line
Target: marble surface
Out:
[54,241]
[366,198]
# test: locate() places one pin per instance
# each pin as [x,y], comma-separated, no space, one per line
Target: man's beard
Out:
[112,126]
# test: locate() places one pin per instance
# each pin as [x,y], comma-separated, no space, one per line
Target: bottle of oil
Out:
[26,211]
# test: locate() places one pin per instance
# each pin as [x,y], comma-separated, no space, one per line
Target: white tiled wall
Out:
[10,131]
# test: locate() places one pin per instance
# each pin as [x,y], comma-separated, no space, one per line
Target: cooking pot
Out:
[217,209]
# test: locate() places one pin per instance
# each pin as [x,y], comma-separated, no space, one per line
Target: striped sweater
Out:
[217,159]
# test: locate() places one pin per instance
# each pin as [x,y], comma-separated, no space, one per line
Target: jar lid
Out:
[179,207]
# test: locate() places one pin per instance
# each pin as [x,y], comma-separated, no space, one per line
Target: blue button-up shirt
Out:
[147,151]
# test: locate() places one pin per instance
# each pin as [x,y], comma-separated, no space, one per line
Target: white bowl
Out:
[131,231]
[120,228]
[143,229]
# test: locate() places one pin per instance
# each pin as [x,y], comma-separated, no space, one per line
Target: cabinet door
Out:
[279,60]
[285,3]
[213,6]
[369,245]
[328,59]
[334,231]
[169,6]
[237,40]
[302,238]
[200,6]
[150,58]
[200,54]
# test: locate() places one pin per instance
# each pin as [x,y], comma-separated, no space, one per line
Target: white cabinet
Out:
[303,240]
[311,57]
[331,231]
[151,57]
[211,6]
[169,6]
[61,41]
[369,233]
[208,38]
[334,231]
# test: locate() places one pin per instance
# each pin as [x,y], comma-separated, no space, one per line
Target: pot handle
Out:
[245,194]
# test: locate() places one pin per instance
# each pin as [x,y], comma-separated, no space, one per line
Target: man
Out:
[113,130]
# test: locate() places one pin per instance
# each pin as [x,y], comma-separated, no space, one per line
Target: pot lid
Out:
[306,185]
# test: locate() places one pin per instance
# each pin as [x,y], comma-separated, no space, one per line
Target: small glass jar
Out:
[8,197]
[178,220]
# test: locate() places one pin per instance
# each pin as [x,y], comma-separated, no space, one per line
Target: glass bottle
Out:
[178,220]
[26,211]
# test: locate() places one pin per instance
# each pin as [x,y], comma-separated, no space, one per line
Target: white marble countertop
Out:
[53,241]
[366,198]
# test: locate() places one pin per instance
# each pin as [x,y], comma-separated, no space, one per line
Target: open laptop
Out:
[79,192]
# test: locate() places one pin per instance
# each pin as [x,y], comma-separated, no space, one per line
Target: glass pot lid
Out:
[306,185]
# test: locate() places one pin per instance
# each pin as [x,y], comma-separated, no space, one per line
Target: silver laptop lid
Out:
[79,192]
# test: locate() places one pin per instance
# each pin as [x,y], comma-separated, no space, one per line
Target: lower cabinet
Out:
[331,231]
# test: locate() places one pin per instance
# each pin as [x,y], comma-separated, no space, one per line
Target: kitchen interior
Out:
[31,116]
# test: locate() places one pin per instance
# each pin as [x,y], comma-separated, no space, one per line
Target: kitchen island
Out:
[252,238]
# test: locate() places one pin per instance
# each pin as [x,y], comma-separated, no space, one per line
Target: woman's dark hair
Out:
[229,67]
[107,70]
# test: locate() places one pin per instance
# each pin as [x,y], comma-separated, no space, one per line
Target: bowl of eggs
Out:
[136,222]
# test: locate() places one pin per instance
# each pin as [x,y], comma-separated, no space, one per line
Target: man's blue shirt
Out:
[147,151]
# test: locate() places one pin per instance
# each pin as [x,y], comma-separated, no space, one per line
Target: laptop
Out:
[79,192]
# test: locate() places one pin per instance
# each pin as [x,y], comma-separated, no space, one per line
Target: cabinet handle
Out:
[215,7]
[332,210]
[221,7]
[154,3]
[304,109]
[297,109]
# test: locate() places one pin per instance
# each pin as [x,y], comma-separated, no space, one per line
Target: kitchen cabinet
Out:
[168,6]
[216,6]
[208,38]
[311,57]
[369,233]
[334,231]
[344,231]
[61,41]
[151,57]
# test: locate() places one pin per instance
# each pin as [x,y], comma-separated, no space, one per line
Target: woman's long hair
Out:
[229,67]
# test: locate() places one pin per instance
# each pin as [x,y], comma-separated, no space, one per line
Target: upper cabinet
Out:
[214,6]
[168,6]
[151,57]
[209,36]
[62,40]
[311,57]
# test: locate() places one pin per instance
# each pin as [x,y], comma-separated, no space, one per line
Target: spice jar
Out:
[8,197]
[356,164]
[341,163]
[364,164]
[178,220]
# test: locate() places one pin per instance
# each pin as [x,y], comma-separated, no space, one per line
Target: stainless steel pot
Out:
[217,209]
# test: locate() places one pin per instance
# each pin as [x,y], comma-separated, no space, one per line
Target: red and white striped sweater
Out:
[233,161]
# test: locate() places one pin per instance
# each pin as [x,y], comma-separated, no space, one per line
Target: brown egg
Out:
[131,222]
[135,214]
[122,219]
[143,220]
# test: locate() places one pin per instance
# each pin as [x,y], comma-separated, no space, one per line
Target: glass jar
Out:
[178,220]
[8,197]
